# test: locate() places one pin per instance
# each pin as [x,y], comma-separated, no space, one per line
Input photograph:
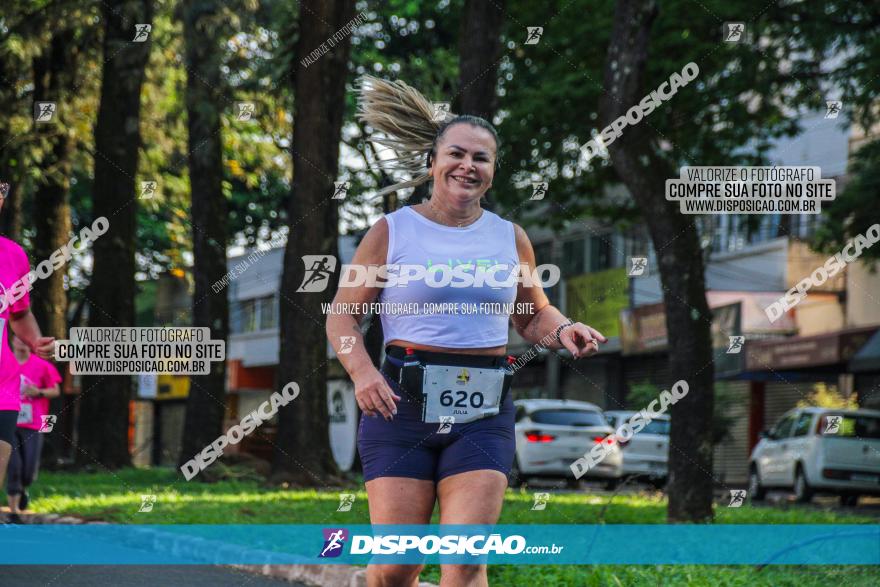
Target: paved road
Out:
[133,576]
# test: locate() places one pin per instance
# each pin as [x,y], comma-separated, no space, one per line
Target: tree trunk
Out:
[53,77]
[302,453]
[53,80]
[676,243]
[11,150]
[104,400]
[203,28]
[478,48]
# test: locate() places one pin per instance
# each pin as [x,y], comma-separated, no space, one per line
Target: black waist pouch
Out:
[412,377]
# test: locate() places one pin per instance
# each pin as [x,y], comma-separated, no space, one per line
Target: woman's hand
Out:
[30,391]
[45,347]
[581,340]
[374,395]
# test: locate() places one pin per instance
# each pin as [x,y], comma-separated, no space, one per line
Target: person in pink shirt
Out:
[14,312]
[39,381]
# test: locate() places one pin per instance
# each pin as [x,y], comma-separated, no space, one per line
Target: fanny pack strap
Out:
[411,378]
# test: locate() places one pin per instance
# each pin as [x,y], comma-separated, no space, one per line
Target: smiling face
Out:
[464,164]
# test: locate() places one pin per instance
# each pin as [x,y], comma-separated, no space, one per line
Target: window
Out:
[520,413]
[783,427]
[249,316]
[569,417]
[268,316]
[253,315]
[858,427]
[802,427]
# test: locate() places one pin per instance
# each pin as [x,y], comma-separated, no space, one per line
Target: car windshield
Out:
[569,417]
[859,427]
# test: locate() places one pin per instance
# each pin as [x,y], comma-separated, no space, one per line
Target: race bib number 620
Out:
[462,393]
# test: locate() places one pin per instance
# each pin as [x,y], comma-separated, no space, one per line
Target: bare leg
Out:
[5,453]
[398,500]
[458,506]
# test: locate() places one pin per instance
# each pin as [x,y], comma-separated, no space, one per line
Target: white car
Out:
[551,434]
[646,454]
[819,450]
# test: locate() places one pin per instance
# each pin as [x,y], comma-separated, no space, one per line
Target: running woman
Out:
[419,442]
[39,381]
[14,312]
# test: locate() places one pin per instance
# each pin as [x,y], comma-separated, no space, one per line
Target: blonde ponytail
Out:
[406,121]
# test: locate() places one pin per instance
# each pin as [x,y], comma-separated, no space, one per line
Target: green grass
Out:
[115,497]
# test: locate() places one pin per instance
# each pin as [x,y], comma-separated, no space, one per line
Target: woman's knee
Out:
[393,575]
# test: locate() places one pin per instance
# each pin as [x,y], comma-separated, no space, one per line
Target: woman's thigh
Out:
[472,497]
[400,500]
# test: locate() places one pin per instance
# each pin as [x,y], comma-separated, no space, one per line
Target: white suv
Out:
[551,434]
[819,450]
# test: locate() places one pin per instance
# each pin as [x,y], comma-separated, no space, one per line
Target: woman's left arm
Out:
[545,324]
[25,327]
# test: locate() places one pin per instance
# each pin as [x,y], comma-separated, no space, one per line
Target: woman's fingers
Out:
[386,394]
[378,396]
[581,340]
[366,404]
[375,396]
[596,334]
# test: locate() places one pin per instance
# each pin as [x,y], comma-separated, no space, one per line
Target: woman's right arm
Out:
[372,392]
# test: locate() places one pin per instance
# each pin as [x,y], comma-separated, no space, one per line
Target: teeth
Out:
[463,180]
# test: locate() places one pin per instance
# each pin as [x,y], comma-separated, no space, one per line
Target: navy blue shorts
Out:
[408,447]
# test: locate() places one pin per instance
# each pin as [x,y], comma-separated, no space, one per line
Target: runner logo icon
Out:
[446,423]
[733,31]
[639,264]
[48,422]
[539,190]
[736,345]
[832,425]
[346,343]
[147,502]
[318,270]
[141,32]
[541,500]
[334,540]
[737,498]
[534,34]
[345,502]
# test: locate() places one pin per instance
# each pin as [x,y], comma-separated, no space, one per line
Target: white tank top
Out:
[415,240]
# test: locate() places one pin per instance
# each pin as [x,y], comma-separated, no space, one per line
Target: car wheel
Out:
[802,490]
[516,478]
[757,492]
[849,500]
